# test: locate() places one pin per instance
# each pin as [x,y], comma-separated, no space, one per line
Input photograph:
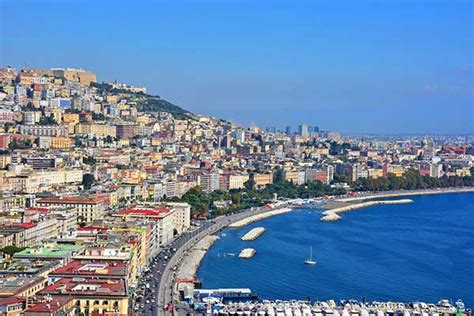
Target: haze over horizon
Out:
[375,67]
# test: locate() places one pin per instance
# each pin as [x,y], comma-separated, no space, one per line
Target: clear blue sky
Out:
[353,66]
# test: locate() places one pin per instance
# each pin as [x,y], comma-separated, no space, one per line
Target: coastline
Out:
[348,204]
[389,194]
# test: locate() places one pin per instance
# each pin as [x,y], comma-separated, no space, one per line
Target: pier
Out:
[333,214]
[253,234]
[247,253]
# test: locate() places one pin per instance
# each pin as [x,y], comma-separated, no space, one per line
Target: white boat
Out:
[310,261]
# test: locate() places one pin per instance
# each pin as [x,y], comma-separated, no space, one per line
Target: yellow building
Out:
[92,296]
[262,179]
[71,118]
[375,173]
[60,142]
[97,130]
[396,170]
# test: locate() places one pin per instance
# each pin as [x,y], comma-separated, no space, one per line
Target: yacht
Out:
[310,261]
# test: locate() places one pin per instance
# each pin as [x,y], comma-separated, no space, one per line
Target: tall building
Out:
[288,130]
[303,130]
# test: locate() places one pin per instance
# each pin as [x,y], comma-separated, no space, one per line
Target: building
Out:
[303,130]
[88,208]
[50,252]
[20,286]
[92,296]
[52,306]
[210,182]
[76,75]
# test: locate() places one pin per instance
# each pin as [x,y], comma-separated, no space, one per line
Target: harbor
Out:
[333,214]
[247,253]
[253,234]
[328,308]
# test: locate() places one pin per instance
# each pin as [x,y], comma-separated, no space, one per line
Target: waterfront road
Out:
[162,269]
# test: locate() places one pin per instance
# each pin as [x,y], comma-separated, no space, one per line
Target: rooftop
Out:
[14,285]
[50,251]
[87,287]
[72,200]
[145,211]
[49,306]
[92,268]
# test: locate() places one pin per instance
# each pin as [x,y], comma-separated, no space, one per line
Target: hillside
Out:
[145,102]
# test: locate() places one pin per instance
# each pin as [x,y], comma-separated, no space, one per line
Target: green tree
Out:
[88,180]
[11,250]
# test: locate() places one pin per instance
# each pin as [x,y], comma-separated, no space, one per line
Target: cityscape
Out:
[115,201]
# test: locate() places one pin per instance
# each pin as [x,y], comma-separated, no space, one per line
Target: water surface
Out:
[406,252]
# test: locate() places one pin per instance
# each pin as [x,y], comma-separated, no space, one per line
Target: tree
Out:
[11,250]
[87,180]
[250,184]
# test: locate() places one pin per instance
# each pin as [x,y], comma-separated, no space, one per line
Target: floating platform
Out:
[253,234]
[247,253]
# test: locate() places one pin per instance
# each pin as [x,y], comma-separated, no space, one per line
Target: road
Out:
[161,275]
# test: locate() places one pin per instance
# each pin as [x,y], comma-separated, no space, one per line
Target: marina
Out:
[331,308]
[253,234]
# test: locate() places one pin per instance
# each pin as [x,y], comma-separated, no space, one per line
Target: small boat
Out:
[310,261]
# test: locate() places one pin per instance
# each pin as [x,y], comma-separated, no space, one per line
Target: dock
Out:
[247,253]
[253,234]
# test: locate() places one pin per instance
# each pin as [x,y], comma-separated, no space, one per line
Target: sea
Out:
[423,251]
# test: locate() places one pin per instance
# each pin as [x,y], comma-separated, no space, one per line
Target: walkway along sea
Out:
[418,251]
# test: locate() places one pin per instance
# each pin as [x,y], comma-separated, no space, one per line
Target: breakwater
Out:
[333,214]
[247,253]
[253,234]
[257,217]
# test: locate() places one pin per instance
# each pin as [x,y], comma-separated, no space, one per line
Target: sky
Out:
[349,66]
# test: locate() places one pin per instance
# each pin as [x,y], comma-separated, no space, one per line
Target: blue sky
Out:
[353,66]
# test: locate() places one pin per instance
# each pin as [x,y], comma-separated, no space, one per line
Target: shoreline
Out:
[389,194]
[346,202]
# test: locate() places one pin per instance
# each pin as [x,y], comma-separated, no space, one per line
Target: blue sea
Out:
[420,251]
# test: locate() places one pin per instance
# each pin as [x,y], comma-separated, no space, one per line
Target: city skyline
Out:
[327,64]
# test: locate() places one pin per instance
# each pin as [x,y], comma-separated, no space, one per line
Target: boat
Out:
[310,261]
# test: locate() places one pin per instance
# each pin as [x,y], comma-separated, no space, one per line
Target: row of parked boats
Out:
[343,308]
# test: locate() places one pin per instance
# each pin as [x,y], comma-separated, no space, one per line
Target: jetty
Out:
[247,253]
[333,214]
[257,217]
[253,234]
